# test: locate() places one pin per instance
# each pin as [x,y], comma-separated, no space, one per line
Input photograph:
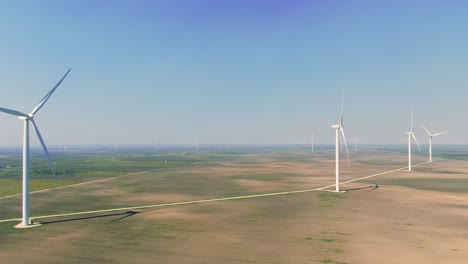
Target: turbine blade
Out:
[416,141]
[342,107]
[13,112]
[346,145]
[45,150]
[426,129]
[48,95]
[438,134]
[412,119]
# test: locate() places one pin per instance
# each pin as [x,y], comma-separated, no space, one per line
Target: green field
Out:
[311,227]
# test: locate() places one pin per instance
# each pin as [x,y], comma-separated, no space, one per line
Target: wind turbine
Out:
[196,144]
[355,144]
[156,146]
[430,140]
[339,128]
[27,118]
[312,142]
[411,134]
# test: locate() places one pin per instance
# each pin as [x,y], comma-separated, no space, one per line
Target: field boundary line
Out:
[206,200]
[165,204]
[371,176]
[77,184]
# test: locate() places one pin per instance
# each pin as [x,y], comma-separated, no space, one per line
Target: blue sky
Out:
[246,71]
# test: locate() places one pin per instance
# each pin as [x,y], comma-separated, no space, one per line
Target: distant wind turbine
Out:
[196,144]
[430,140]
[339,128]
[411,134]
[156,146]
[312,142]
[355,144]
[27,118]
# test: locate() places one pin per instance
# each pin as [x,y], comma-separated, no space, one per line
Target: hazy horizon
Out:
[234,72]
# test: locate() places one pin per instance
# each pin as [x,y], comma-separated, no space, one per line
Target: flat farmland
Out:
[411,217]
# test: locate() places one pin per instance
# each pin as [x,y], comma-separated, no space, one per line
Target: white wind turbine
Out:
[26,118]
[312,142]
[411,134]
[430,140]
[156,146]
[339,128]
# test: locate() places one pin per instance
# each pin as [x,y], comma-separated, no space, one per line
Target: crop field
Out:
[144,209]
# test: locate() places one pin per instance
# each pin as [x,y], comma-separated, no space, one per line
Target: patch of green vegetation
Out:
[454,185]
[335,250]
[189,184]
[343,234]
[447,152]
[99,166]
[447,172]
[327,240]
[265,177]
[8,228]
[162,231]
[463,206]
[335,233]
[11,171]
[309,238]
[329,199]
[383,162]
[453,155]
[12,187]
[331,261]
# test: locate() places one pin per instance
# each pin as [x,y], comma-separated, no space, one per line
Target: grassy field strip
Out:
[164,205]
[77,184]
[370,176]
[204,200]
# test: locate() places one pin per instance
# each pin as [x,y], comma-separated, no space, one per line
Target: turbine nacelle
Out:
[26,117]
[337,126]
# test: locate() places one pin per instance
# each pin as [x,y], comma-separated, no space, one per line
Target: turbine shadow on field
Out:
[372,187]
[124,215]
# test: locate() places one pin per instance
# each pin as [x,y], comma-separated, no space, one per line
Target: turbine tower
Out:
[25,223]
[196,144]
[339,128]
[312,142]
[430,140]
[411,134]
[156,146]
